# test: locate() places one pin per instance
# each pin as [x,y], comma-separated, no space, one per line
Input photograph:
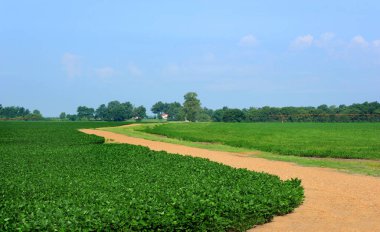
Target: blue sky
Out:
[57,55]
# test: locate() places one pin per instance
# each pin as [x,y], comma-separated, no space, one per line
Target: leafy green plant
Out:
[54,177]
[336,140]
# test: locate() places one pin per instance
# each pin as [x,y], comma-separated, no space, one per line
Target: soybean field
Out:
[53,177]
[335,140]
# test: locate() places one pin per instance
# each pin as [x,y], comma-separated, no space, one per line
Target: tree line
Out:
[116,111]
[19,113]
[367,111]
[191,110]
[113,111]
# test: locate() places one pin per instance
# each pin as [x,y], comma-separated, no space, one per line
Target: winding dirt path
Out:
[334,201]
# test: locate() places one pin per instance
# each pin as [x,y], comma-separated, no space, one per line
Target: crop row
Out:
[336,140]
[54,177]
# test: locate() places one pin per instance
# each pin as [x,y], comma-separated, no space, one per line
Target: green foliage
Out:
[101,112]
[233,115]
[62,116]
[174,110]
[139,113]
[159,108]
[191,106]
[55,178]
[117,111]
[365,112]
[19,113]
[337,140]
[85,112]
[72,117]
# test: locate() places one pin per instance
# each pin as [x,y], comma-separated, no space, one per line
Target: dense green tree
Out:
[139,113]
[10,112]
[128,109]
[86,113]
[208,111]
[203,117]
[34,116]
[101,113]
[72,117]
[119,111]
[158,108]
[233,115]
[217,115]
[175,111]
[62,116]
[16,112]
[115,111]
[323,113]
[191,106]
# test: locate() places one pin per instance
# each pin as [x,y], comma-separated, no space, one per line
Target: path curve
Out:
[334,201]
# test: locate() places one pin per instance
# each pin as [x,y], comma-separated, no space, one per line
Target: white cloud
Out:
[71,64]
[303,41]
[133,70]
[359,41]
[324,39]
[105,72]
[248,41]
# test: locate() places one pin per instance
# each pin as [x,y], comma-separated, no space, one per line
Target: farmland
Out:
[334,140]
[54,177]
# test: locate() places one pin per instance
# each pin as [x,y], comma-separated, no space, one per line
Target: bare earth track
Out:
[334,201]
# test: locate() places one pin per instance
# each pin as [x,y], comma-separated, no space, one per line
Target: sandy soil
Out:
[334,201]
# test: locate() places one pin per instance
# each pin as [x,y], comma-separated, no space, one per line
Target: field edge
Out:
[352,166]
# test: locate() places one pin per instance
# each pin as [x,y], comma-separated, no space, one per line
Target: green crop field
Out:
[53,177]
[336,140]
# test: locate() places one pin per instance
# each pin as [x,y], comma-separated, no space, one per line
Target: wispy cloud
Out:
[303,41]
[359,41]
[134,70]
[105,72]
[335,46]
[324,40]
[72,65]
[248,41]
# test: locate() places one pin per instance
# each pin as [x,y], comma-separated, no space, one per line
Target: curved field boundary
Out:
[334,201]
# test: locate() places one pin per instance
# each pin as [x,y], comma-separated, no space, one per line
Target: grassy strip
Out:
[366,167]
[138,132]
[54,178]
[334,140]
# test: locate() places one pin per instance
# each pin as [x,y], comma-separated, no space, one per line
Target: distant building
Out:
[165,116]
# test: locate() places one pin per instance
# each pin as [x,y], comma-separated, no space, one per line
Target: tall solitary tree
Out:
[62,116]
[191,106]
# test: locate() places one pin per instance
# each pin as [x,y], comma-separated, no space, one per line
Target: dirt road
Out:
[334,201]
